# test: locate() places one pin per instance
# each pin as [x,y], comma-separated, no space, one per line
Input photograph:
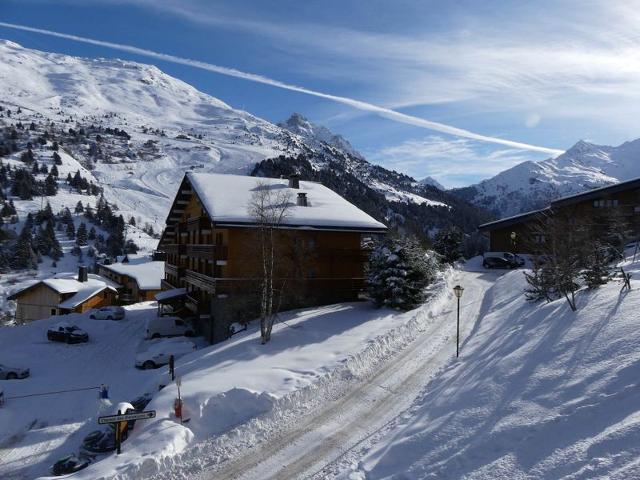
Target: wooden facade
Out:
[130,292]
[41,301]
[596,206]
[218,265]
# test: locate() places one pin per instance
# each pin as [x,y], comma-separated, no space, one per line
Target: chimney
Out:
[83,276]
[294,180]
[302,199]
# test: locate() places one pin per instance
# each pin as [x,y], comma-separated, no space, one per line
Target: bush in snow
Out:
[399,271]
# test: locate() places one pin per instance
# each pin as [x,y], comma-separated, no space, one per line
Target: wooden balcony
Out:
[173,270]
[191,303]
[166,285]
[197,223]
[208,252]
[354,255]
[200,281]
[174,249]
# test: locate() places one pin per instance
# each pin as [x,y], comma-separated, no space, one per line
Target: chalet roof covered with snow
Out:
[146,272]
[227,199]
[67,283]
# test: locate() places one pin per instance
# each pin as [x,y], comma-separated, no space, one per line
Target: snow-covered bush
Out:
[399,271]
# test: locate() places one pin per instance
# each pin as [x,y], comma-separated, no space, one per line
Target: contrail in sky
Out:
[232,72]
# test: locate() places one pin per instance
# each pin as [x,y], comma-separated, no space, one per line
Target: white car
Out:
[12,373]
[158,353]
[108,313]
[169,327]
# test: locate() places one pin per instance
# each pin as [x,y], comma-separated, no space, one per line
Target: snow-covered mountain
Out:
[431,181]
[531,185]
[164,127]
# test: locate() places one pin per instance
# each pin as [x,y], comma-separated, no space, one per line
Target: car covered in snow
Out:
[100,441]
[12,373]
[159,351]
[65,332]
[69,464]
[502,260]
[169,327]
[108,313]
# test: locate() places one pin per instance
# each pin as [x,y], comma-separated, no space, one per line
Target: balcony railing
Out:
[191,303]
[201,281]
[174,249]
[197,223]
[166,285]
[208,252]
[173,270]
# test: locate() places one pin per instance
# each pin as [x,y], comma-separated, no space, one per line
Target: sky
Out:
[456,90]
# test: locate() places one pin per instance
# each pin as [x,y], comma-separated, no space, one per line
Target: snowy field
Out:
[236,383]
[540,392]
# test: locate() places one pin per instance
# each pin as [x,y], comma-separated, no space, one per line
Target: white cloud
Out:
[450,161]
[532,120]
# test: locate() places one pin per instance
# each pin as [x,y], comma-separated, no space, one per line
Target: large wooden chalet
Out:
[211,248]
[520,233]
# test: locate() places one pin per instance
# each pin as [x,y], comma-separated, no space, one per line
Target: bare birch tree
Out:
[269,206]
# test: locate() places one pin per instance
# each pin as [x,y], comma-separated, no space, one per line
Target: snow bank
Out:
[539,392]
[240,392]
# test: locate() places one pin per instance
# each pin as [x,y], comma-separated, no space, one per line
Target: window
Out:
[53,311]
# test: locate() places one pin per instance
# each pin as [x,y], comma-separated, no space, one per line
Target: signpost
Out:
[124,418]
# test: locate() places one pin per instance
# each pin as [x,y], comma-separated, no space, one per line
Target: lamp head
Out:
[458,290]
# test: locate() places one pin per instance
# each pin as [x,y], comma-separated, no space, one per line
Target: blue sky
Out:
[541,73]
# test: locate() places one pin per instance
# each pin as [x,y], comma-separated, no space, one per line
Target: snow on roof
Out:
[226,199]
[146,272]
[171,293]
[65,283]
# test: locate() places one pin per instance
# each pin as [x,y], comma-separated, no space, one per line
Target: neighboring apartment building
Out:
[518,233]
[64,293]
[138,275]
[211,242]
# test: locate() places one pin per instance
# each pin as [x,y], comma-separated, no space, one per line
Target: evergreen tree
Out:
[131,247]
[57,159]
[50,186]
[43,168]
[132,221]
[71,231]
[54,171]
[79,207]
[92,233]
[596,271]
[399,272]
[81,235]
[448,243]
[23,254]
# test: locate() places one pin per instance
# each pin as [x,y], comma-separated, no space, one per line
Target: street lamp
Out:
[513,241]
[458,292]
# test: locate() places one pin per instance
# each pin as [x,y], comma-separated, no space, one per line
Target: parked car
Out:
[512,258]
[158,353]
[169,327]
[497,262]
[100,441]
[11,373]
[69,464]
[108,313]
[142,401]
[65,332]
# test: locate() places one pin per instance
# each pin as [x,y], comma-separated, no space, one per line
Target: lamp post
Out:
[513,241]
[458,292]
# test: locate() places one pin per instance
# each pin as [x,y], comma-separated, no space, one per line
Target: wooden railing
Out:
[208,252]
[166,285]
[201,281]
[174,249]
[173,270]
[191,303]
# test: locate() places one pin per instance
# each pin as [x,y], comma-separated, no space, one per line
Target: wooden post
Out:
[118,442]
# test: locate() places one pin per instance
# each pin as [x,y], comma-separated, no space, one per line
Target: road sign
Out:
[126,417]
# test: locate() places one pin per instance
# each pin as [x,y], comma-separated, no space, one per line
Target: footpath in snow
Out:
[540,392]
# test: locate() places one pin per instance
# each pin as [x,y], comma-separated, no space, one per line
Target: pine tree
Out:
[23,254]
[81,235]
[399,271]
[57,159]
[132,221]
[448,243]
[54,171]
[92,233]
[79,207]
[71,231]
[50,186]
[596,271]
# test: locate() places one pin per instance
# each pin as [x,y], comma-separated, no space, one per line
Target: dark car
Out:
[65,332]
[100,441]
[69,464]
[497,262]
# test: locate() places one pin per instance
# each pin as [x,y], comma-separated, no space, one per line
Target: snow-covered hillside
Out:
[539,392]
[531,185]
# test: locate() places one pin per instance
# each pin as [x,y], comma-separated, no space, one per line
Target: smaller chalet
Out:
[64,293]
[519,233]
[139,276]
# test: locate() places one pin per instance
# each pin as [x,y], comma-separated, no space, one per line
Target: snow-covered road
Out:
[320,443]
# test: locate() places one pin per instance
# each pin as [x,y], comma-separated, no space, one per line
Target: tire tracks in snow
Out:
[317,440]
